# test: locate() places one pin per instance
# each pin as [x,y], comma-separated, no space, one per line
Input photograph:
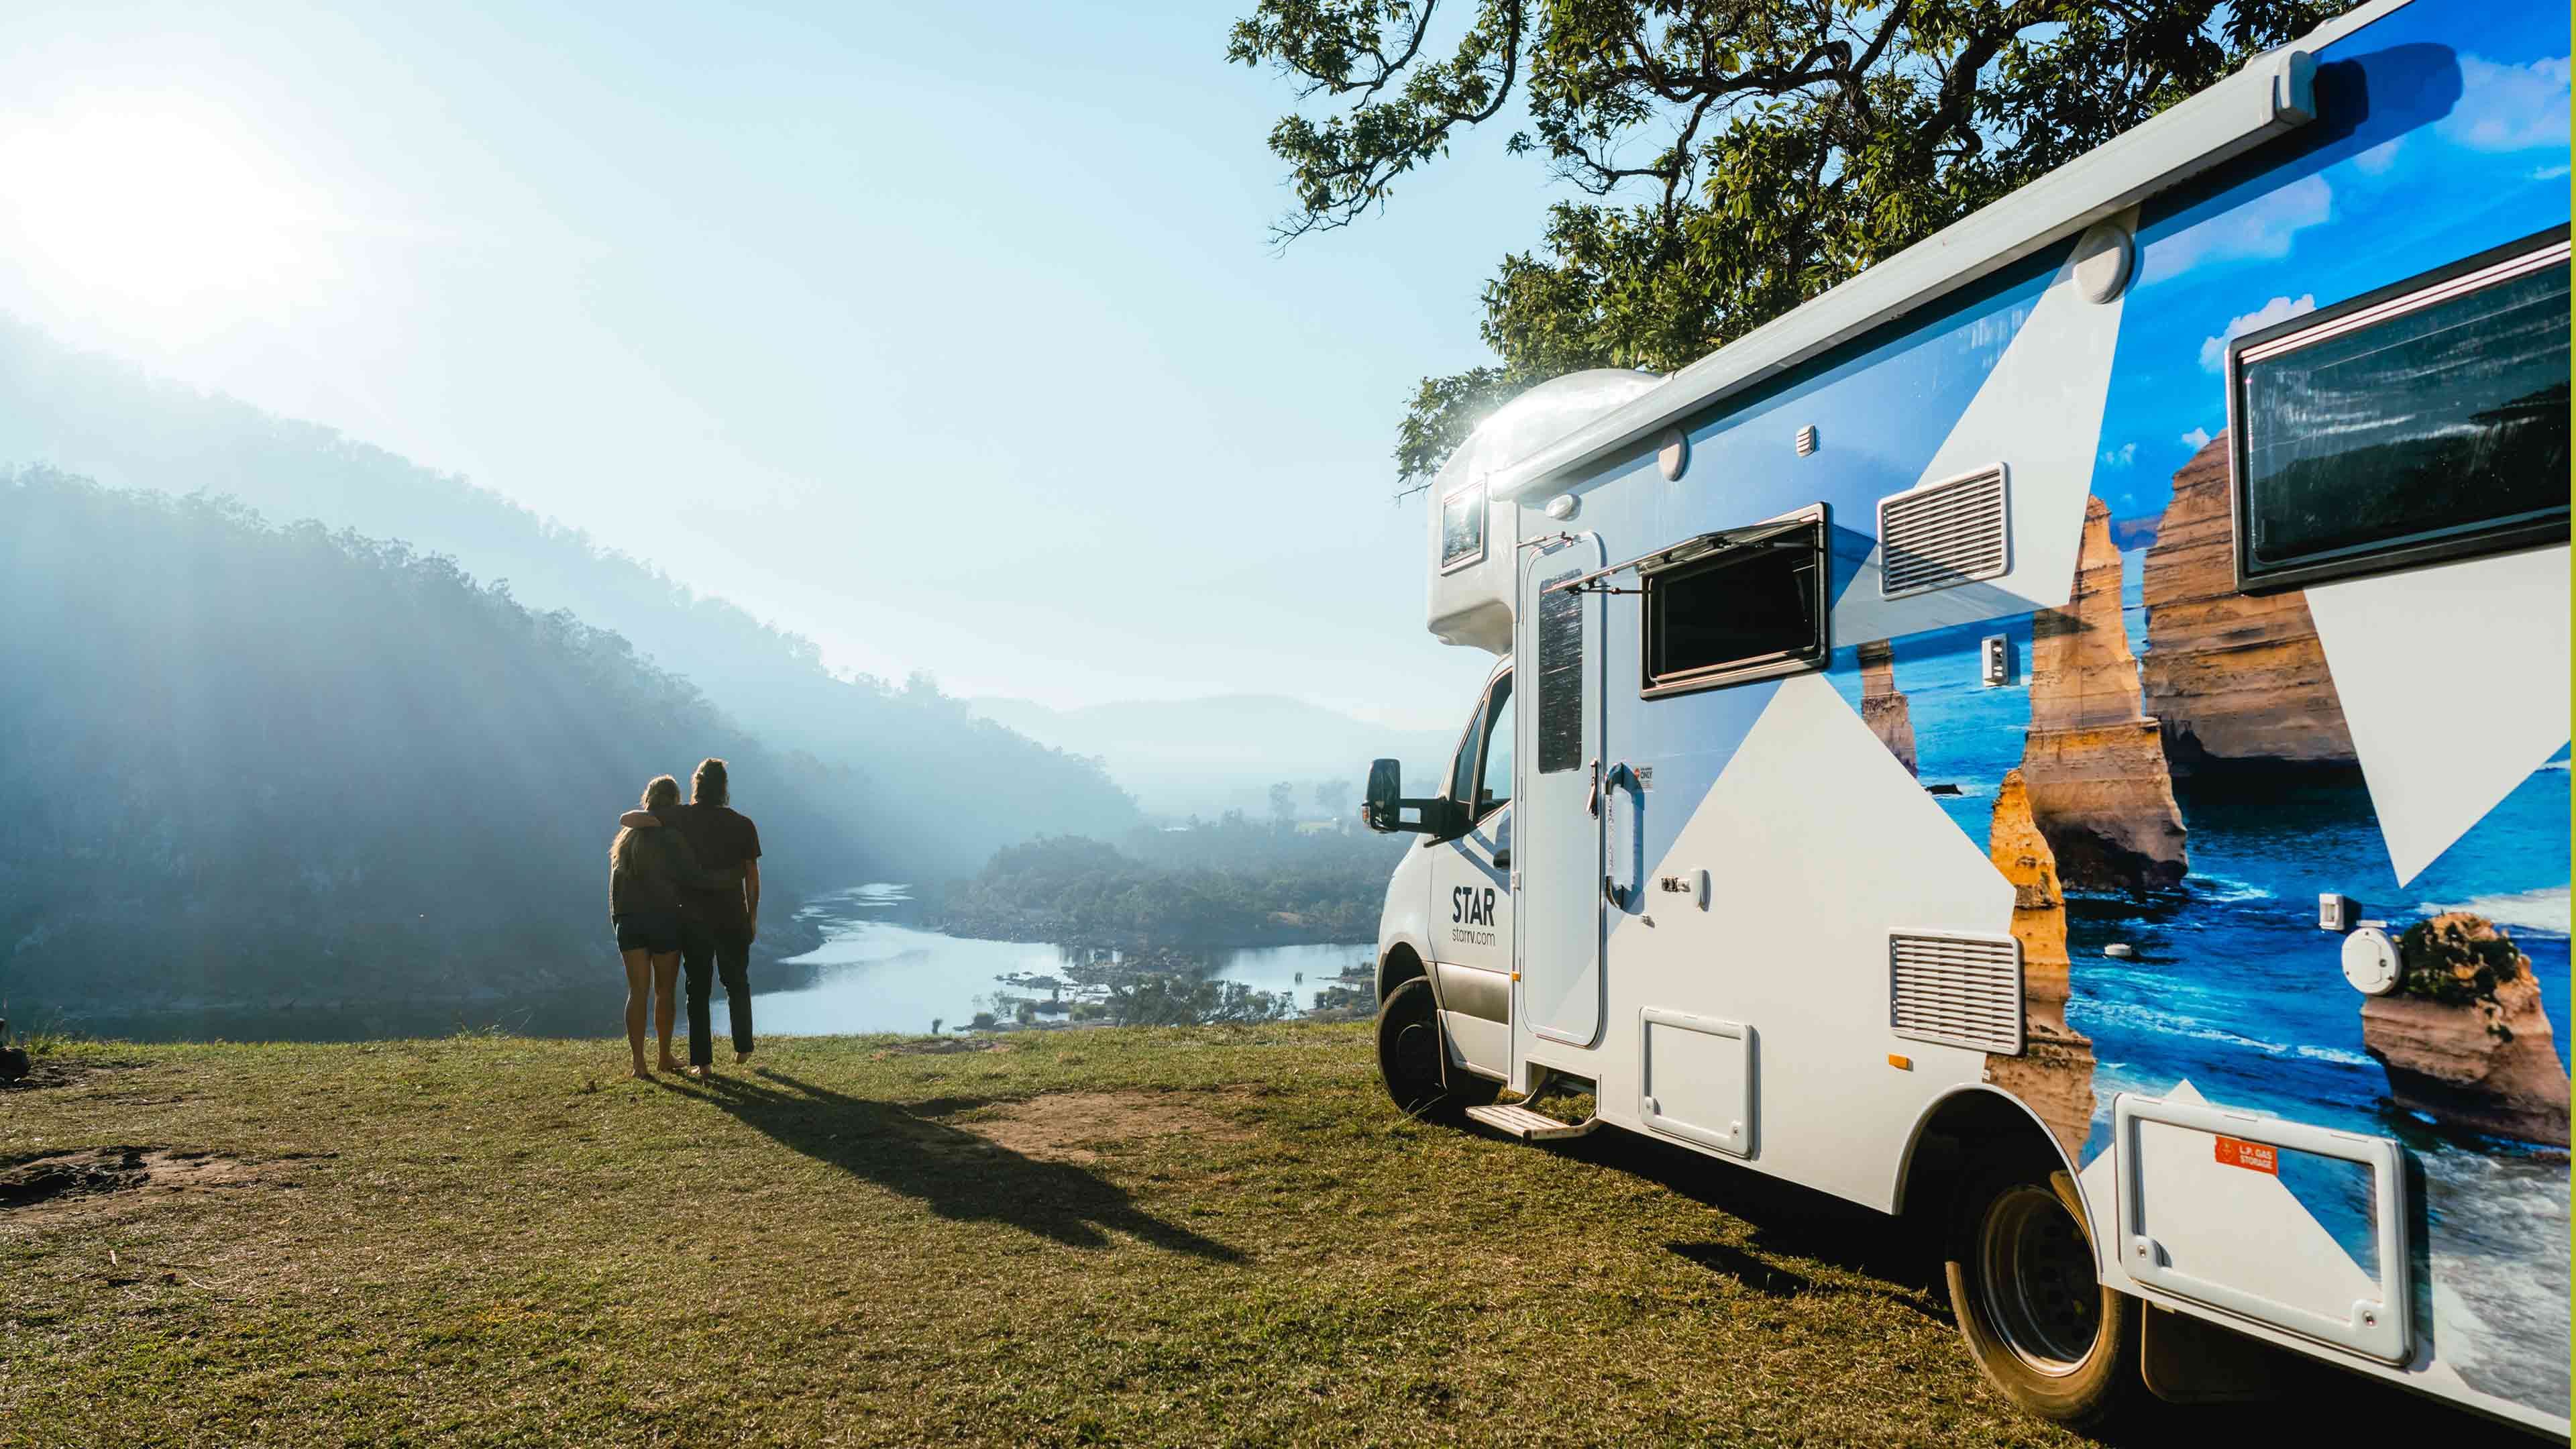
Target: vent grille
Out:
[1962,990]
[1948,533]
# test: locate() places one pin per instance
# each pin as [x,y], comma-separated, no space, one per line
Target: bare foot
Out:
[699,1074]
[642,1075]
[741,1057]
[669,1065]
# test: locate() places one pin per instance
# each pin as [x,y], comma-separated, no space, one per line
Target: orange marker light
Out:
[1902,1064]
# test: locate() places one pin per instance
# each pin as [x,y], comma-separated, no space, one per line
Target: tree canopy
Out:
[1730,158]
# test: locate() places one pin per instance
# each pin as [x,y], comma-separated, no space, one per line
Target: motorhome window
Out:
[1494,775]
[2426,422]
[1742,613]
[1560,677]
[1462,765]
[1462,527]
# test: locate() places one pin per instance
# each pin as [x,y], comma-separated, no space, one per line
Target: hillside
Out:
[1118,1236]
[1211,886]
[948,787]
[252,764]
[1222,752]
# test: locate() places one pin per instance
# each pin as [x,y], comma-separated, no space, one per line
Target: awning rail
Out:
[1799,531]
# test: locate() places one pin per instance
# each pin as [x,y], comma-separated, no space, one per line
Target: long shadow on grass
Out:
[955,1173]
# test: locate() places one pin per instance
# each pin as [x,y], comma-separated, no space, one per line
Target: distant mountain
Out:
[1222,752]
[259,766]
[936,774]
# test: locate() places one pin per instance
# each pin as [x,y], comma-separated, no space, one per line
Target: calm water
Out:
[875,973]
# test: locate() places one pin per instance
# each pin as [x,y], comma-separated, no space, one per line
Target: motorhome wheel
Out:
[1409,1053]
[2029,1302]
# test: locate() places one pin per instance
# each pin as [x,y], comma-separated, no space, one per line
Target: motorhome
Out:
[2066,734]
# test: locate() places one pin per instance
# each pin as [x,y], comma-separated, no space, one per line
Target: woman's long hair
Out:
[662,793]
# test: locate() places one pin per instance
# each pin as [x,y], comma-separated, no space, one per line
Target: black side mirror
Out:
[1385,788]
[1383,810]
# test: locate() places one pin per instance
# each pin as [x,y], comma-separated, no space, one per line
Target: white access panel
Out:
[1695,1079]
[2203,1215]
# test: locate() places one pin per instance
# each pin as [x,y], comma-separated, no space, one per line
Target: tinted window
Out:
[1462,526]
[1748,612]
[1494,780]
[2407,428]
[1462,766]
[1560,677]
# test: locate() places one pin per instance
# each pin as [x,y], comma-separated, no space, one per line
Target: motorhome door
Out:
[1558,821]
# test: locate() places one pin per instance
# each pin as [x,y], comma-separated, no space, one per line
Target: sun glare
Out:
[166,220]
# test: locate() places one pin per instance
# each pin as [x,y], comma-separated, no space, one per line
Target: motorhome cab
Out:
[2068,731]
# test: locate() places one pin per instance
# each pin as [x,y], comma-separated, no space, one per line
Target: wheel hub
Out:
[2037,1271]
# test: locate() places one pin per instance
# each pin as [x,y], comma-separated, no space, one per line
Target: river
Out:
[875,973]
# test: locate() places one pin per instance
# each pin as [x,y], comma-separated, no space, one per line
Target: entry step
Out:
[1515,1120]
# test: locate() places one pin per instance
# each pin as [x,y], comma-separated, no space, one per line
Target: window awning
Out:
[1800,532]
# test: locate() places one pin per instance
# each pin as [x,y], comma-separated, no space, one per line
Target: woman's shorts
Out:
[654,931]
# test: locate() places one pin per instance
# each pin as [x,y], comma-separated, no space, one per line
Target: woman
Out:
[647,866]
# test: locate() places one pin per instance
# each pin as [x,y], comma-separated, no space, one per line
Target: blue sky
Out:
[2455,151]
[949,336]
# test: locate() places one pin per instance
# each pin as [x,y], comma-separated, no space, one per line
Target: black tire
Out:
[1410,1055]
[2029,1301]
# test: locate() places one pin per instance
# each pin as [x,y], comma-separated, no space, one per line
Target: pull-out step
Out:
[1518,1121]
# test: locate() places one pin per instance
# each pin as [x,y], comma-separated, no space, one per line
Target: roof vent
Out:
[1945,533]
[1959,990]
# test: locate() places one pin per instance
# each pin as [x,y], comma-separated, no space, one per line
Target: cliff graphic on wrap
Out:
[1883,706]
[2234,678]
[2053,1075]
[2093,761]
[2463,1037]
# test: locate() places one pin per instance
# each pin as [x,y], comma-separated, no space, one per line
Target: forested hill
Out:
[257,764]
[951,788]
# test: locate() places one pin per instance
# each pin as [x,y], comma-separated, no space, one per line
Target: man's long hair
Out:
[707,786]
[660,793]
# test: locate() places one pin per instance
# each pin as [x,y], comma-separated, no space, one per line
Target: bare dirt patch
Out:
[1070,1126]
[59,1184]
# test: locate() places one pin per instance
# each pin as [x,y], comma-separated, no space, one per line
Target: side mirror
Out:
[1383,810]
[1385,789]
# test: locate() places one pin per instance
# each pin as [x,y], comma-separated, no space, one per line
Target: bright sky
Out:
[947,336]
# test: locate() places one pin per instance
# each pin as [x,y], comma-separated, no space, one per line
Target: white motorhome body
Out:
[2099,678]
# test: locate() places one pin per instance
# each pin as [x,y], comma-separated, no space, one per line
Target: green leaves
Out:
[1741,156]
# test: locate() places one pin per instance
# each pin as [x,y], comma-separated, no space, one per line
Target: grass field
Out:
[1114,1236]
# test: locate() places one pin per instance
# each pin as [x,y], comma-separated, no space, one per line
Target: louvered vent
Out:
[1962,990]
[1947,533]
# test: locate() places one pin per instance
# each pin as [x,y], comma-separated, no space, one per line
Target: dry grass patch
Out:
[1071,1126]
[1128,1236]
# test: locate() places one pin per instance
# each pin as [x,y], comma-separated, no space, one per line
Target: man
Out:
[717,927]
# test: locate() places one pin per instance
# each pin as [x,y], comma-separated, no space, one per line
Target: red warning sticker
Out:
[2260,1156]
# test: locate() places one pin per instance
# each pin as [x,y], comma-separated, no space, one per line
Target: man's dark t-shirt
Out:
[722,838]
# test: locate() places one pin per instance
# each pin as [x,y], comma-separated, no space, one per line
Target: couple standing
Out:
[684,885]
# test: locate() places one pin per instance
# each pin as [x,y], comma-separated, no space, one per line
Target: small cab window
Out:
[1480,775]
[1748,603]
[1494,774]
[1462,527]
[2424,422]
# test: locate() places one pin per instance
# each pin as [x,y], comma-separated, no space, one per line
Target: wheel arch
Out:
[1953,1127]
[1400,963]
